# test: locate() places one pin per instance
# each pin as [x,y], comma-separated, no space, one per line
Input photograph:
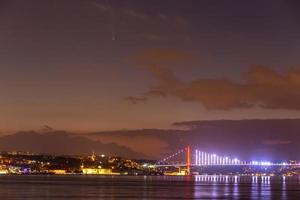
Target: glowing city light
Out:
[197,162]
[201,158]
[265,163]
[235,161]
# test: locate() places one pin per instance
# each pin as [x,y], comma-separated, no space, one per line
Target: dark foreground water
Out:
[139,187]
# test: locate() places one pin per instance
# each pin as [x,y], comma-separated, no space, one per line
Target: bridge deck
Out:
[193,165]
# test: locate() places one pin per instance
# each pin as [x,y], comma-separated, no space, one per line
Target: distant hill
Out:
[60,142]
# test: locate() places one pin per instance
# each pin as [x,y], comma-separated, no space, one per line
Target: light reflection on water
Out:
[235,179]
[148,187]
[251,187]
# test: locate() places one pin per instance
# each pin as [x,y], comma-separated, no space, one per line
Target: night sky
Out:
[93,66]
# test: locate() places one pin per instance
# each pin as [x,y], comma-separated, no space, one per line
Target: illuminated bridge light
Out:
[214,158]
[235,161]
[196,152]
[254,163]
[221,160]
[265,163]
[201,158]
[208,159]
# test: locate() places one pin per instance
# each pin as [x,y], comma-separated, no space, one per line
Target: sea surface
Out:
[148,187]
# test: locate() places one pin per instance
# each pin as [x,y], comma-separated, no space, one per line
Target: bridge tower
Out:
[188,160]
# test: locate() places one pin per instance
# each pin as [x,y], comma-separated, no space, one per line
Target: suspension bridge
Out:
[198,158]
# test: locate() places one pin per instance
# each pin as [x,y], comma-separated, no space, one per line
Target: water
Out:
[139,187]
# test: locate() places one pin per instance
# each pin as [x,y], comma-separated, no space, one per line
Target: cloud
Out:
[102,7]
[181,21]
[47,128]
[124,11]
[261,86]
[134,13]
[147,141]
[135,100]
[276,142]
[152,142]
[127,16]
[154,37]
[238,138]
[163,17]
[161,56]
[156,93]
[153,61]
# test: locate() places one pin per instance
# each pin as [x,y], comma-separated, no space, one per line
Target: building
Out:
[98,171]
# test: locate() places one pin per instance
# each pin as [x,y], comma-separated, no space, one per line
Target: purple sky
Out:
[99,65]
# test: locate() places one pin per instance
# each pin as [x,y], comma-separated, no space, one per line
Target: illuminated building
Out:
[57,171]
[96,171]
[3,171]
